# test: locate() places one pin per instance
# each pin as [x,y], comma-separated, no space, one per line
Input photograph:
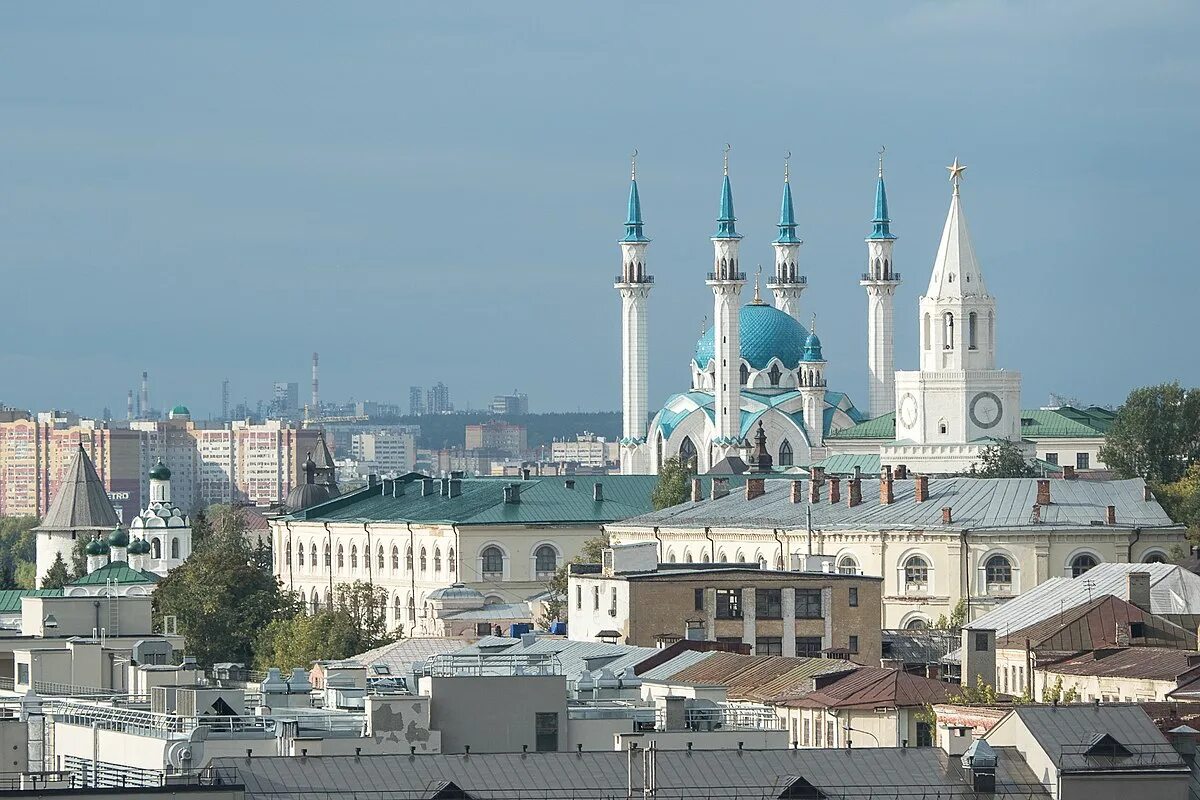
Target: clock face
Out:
[986,410]
[908,410]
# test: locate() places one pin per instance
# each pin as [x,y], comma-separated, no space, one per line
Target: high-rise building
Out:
[416,401]
[384,452]
[501,437]
[437,399]
[510,404]
[285,399]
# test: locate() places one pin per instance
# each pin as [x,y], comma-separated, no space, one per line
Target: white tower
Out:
[164,527]
[812,387]
[880,281]
[787,283]
[634,284]
[726,281]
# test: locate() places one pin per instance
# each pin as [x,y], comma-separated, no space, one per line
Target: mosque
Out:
[759,368]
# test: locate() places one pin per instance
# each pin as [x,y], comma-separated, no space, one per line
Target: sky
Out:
[433,192]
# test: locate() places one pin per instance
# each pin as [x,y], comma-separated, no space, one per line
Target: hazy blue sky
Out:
[427,193]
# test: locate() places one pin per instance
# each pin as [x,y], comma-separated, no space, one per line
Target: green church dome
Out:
[159,472]
[118,538]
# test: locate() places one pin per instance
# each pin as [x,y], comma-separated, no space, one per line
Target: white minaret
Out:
[726,281]
[812,387]
[880,281]
[634,284]
[787,283]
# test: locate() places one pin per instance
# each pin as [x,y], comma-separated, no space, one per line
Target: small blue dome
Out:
[765,333]
[812,348]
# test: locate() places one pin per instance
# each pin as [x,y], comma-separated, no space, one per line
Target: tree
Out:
[958,616]
[356,623]
[365,608]
[79,558]
[18,552]
[1155,435]
[1004,459]
[222,596]
[979,694]
[556,607]
[57,576]
[673,483]
[1181,500]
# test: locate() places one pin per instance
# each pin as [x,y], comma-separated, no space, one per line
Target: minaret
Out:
[880,281]
[812,386]
[787,283]
[634,284]
[726,281]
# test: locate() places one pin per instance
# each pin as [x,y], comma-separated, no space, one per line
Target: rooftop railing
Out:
[1126,756]
[168,726]
[450,665]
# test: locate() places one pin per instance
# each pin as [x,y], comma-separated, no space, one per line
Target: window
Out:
[729,603]
[807,728]
[699,600]
[493,562]
[687,451]
[545,562]
[1052,458]
[916,571]
[23,674]
[829,734]
[729,639]
[925,332]
[408,558]
[971,326]
[327,555]
[917,624]
[924,734]
[341,557]
[743,374]
[287,553]
[313,559]
[412,610]
[379,558]
[818,729]
[175,548]
[786,456]
[451,562]
[942,427]
[981,642]
[1083,461]
[395,557]
[299,554]
[768,646]
[579,597]
[437,560]
[948,331]
[546,732]
[848,565]
[768,603]
[399,609]
[424,560]
[854,597]
[809,646]
[1154,557]
[1137,630]
[853,644]
[808,604]
[353,556]
[774,375]
[595,598]
[1081,564]
[997,570]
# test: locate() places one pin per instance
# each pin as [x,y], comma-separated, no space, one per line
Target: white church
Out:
[759,364]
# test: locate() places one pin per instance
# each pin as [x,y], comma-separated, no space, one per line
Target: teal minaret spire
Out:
[726,229]
[787,217]
[634,285]
[880,281]
[881,225]
[787,284]
[726,281]
[633,219]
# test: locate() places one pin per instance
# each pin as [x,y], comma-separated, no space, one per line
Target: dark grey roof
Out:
[82,502]
[306,495]
[916,772]
[976,503]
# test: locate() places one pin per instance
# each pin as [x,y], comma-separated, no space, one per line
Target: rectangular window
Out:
[729,639]
[1137,630]
[768,646]
[808,604]
[808,646]
[853,644]
[854,597]
[817,731]
[699,600]
[981,642]
[579,597]
[1082,461]
[23,674]
[546,725]
[729,603]
[807,740]
[768,603]
[1052,458]
[829,735]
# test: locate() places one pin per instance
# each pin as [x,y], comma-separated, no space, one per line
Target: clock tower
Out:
[958,403]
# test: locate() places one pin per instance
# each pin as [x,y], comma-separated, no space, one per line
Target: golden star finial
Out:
[956,173]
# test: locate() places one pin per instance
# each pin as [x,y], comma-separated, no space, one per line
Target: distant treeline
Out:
[448,430]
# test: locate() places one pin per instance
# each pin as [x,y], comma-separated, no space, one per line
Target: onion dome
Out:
[97,547]
[138,547]
[304,496]
[812,348]
[118,538]
[159,472]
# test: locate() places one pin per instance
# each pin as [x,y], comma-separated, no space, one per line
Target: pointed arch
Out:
[743,374]
[948,331]
[687,451]
[786,456]
[972,332]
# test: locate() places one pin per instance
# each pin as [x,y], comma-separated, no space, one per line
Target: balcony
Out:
[643,279]
[893,277]
[727,276]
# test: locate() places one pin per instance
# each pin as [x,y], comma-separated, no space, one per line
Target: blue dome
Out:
[766,333]
[812,348]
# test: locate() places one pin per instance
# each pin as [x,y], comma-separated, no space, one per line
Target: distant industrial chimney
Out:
[129,405]
[225,399]
[316,394]
[144,407]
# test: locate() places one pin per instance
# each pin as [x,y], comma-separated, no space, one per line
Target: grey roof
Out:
[746,774]
[977,503]
[571,654]
[1173,590]
[666,670]
[400,655]
[1066,732]
[82,502]
[495,611]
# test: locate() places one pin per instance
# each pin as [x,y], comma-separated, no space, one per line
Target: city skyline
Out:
[291,178]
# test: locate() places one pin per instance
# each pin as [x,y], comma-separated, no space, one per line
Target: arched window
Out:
[287,551]
[925,332]
[412,610]
[705,559]
[848,565]
[545,561]
[997,570]
[327,561]
[595,598]
[379,558]
[948,331]
[299,555]
[452,561]
[156,547]
[1154,557]
[774,375]
[743,374]
[398,609]
[353,556]
[437,560]
[424,560]
[493,562]
[972,324]
[762,562]
[1082,563]
[313,559]
[408,558]
[916,624]
[316,602]
[341,557]
[395,557]
[741,558]
[687,557]
[670,556]
[721,557]
[916,571]
[687,451]
[786,455]
[328,600]
[942,426]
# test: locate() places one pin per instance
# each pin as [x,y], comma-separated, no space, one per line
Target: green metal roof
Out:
[1065,422]
[118,571]
[481,502]
[883,427]
[10,599]
[844,464]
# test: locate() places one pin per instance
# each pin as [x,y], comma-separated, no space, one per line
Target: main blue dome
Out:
[766,333]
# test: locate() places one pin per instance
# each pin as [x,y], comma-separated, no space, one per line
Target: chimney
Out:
[755,487]
[921,488]
[720,487]
[886,495]
[901,471]
[569,483]
[885,471]
[1068,472]
[426,486]
[857,473]
[512,493]
[598,492]
[1043,492]
[524,473]
[933,671]
[947,515]
[1036,516]
[817,474]
[1110,515]
[386,487]
[397,488]
[797,492]
[1147,495]
[697,490]
[1139,590]
[854,492]
[454,487]
[814,491]
[835,491]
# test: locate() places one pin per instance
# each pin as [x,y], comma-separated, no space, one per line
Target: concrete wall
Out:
[494,714]
[1123,787]
[77,616]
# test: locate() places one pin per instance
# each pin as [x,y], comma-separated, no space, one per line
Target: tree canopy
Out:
[557,609]
[357,622]
[1156,434]
[1181,500]
[18,552]
[1004,459]
[672,487]
[57,576]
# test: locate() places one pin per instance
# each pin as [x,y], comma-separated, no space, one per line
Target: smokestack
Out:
[225,399]
[316,394]
[129,405]
[144,411]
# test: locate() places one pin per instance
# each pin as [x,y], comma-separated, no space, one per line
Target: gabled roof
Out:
[81,503]
[1093,625]
[1141,663]
[874,687]
[117,571]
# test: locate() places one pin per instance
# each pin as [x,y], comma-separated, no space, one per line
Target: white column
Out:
[788,284]
[749,617]
[788,606]
[634,368]
[880,283]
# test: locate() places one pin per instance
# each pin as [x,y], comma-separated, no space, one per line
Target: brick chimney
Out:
[835,490]
[947,515]
[902,471]
[1068,472]
[697,490]
[1043,495]
[1110,515]
[921,488]
[814,491]
[755,487]
[797,492]
[886,495]
[817,474]
[1138,584]
[720,487]
[854,492]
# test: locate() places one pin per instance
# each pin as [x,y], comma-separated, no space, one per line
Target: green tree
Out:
[222,596]
[1181,500]
[1004,459]
[79,558]
[57,576]
[356,623]
[673,483]
[979,694]
[365,608]
[1156,434]
[556,607]
[18,552]
[957,618]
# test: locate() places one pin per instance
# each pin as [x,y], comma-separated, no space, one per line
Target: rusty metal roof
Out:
[757,677]
[1149,663]
[1093,625]
[875,687]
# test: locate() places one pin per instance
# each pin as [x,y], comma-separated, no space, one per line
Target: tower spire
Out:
[634,285]
[880,281]
[726,281]
[787,284]
[726,229]
[881,224]
[633,216]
